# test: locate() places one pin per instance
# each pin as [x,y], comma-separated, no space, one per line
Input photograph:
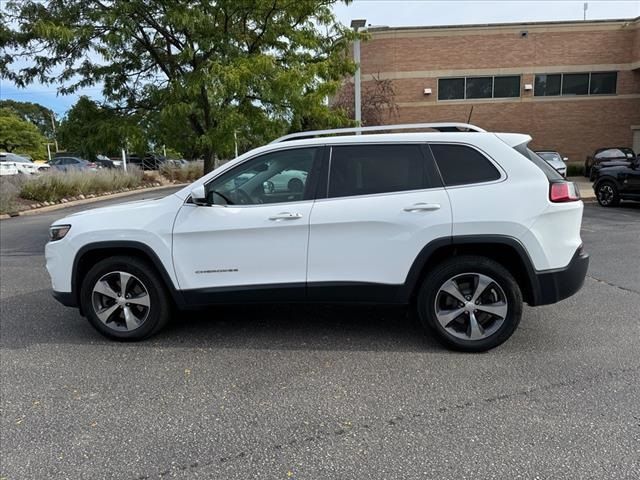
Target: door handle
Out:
[422,207]
[286,216]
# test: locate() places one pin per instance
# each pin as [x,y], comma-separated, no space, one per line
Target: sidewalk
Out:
[584,185]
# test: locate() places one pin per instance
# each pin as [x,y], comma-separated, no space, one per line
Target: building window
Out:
[599,83]
[575,84]
[451,88]
[506,87]
[478,87]
[603,83]
[547,85]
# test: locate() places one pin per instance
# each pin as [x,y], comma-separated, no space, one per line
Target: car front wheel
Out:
[607,194]
[470,303]
[125,299]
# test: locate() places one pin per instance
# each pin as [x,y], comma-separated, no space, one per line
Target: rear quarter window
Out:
[463,165]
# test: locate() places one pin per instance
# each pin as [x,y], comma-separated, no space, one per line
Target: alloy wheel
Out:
[471,306]
[121,301]
[605,194]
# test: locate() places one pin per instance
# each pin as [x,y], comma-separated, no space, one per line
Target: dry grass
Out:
[182,174]
[54,186]
[9,190]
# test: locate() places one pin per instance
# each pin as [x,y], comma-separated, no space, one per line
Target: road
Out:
[316,392]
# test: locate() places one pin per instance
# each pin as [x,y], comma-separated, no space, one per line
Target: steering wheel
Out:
[243,197]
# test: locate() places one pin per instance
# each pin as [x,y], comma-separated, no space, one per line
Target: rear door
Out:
[383,204]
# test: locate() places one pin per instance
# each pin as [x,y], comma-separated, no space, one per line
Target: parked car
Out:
[462,225]
[555,160]
[8,168]
[617,182]
[22,164]
[106,162]
[608,157]
[72,163]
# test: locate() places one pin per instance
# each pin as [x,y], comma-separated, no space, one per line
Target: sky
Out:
[396,14]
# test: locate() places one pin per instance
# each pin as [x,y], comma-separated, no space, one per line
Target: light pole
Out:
[357,25]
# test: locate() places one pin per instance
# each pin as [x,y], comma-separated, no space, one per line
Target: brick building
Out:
[574,86]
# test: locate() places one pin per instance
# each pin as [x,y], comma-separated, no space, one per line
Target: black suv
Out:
[617,182]
[607,157]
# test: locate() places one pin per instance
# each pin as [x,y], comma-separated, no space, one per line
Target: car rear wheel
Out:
[125,299]
[607,194]
[470,303]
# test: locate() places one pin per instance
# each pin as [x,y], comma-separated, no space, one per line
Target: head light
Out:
[57,232]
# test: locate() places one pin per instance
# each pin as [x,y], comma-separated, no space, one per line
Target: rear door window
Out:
[371,169]
[463,165]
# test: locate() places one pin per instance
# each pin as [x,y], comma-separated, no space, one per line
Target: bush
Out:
[9,190]
[54,186]
[182,174]
[575,170]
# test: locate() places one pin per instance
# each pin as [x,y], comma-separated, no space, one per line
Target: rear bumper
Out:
[554,285]
[65,298]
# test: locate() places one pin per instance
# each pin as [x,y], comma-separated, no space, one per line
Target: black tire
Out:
[155,315]
[607,194]
[461,267]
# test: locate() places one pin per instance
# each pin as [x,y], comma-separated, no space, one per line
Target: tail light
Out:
[560,192]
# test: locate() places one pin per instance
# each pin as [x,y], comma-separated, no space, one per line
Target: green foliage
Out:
[89,129]
[20,136]
[54,186]
[206,68]
[35,113]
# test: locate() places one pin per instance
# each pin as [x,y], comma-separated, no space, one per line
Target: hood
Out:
[120,207]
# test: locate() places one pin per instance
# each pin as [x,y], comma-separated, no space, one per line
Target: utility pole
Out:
[53,126]
[585,8]
[357,25]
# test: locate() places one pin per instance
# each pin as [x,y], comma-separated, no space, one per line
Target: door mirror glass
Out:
[268,187]
[198,195]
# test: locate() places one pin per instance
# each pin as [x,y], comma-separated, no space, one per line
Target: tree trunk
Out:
[209,161]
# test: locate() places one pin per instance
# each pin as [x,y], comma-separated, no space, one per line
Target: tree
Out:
[35,113]
[222,66]
[20,136]
[378,102]
[90,129]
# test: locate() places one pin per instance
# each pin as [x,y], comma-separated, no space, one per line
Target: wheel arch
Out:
[92,253]
[508,251]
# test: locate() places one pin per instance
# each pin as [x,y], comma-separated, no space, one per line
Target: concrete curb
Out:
[60,206]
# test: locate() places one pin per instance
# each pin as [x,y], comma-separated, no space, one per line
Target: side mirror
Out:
[199,195]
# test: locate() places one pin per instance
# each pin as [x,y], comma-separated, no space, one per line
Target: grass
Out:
[9,190]
[184,174]
[54,186]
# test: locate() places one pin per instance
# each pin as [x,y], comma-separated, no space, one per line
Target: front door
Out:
[255,231]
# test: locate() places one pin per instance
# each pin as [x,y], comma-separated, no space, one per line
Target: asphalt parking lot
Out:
[317,392]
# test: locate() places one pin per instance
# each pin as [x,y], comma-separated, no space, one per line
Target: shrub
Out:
[575,170]
[182,174]
[54,186]
[9,190]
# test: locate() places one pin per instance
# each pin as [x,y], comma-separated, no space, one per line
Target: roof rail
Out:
[441,127]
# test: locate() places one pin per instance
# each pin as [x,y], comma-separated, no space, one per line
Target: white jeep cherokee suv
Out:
[464,224]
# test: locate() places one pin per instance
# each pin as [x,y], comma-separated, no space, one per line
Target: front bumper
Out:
[551,286]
